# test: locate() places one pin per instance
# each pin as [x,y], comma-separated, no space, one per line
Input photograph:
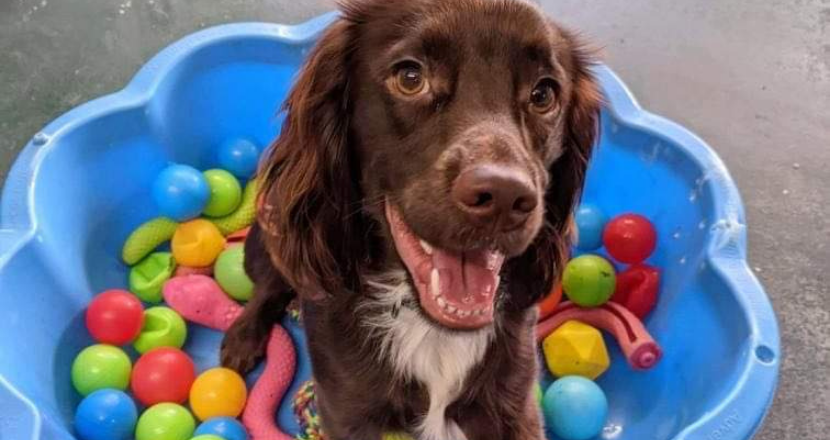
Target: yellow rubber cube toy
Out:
[576,349]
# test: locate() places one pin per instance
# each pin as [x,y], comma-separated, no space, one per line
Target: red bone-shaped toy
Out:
[636,343]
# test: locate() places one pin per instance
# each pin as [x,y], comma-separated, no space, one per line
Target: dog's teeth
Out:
[426,247]
[441,302]
[478,312]
[450,309]
[434,282]
[463,313]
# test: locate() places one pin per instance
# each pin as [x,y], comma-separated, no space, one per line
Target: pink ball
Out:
[115,317]
[630,238]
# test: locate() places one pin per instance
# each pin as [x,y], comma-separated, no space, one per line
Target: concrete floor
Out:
[750,76]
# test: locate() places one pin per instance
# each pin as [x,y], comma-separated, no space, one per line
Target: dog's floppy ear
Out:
[309,194]
[545,260]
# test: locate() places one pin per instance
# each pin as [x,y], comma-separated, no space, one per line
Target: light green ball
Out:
[101,366]
[225,193]
[165,421]
[163,327]
[230,273]
[589,280]
[149,275]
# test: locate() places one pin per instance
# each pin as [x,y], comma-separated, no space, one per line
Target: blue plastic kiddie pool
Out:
[83,183]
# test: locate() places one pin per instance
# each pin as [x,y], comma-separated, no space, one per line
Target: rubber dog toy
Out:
[637,289]
[200,299]
[244,216]
[639,348]
[197,243]
[147,238]
[589,280]
[576,349]
[548,305]
[147,277]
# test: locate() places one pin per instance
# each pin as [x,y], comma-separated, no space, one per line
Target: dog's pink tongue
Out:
[468,278]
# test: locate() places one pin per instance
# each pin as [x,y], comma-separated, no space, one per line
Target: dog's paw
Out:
[242,350]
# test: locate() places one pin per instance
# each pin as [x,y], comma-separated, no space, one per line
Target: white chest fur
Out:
[439,359]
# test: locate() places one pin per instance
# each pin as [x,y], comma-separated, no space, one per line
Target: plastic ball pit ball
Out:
[575,408]
[114,317]
[227,428]
[163,375]
[230,273]
[181,192]
[106,415]
[576,349]
[240,157]
[149,275]
[197,243]
[589,280]
[637,289]
[225,193]
[163,327]
[590,222]
[218,392]
[165,421]
[101,366]
[630,238]
[208,437]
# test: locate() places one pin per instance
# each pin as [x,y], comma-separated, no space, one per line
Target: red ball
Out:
[163,375]
[115,317]
[630,238]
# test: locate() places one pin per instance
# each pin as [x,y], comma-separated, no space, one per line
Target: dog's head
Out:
[451,136]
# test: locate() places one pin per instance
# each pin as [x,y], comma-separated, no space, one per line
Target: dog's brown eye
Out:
[410,79]
[543,96]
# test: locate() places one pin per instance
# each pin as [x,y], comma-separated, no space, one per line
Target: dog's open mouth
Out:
[456,289]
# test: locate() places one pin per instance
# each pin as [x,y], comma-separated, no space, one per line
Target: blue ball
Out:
[575,408]
[240,157]
[106,415]
[226,427]
[590,222]
[181,192]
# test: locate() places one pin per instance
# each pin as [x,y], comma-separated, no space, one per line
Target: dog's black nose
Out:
[495,193]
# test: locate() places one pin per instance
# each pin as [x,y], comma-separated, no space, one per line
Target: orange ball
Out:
[197,243]
[218,392]
[548,305]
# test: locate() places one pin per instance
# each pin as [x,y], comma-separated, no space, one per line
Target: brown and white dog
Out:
[417,202]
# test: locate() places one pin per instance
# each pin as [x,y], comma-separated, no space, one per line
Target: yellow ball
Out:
[218,392]
[576,349]
[197,243]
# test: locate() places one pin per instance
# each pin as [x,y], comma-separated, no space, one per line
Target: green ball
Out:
[225,193]
[101,366]
[207,437]
[149,275]
[165,421]
[230,273]
[163,327]
[589,280]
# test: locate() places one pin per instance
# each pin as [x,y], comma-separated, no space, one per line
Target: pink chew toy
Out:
[199,299]
[639,348]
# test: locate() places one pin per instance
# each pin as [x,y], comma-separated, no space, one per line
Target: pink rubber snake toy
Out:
[199,299]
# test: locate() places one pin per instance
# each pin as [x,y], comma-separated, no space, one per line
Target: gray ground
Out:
[750,76]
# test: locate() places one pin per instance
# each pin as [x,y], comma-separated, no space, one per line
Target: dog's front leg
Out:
[510,424]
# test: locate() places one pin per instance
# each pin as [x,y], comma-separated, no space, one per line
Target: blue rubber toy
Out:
[181,192]
[240,157]
[575,408]
[106,415]
[590,222]
[226,427]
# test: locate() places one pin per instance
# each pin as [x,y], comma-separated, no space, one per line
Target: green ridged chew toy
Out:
[147,238]
[244,216]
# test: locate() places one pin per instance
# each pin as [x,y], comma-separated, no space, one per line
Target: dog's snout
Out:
[495,194]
